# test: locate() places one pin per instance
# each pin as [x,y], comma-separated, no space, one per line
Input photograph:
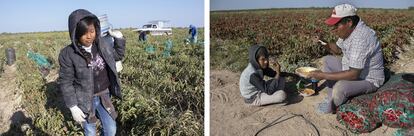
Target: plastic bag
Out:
[41,61]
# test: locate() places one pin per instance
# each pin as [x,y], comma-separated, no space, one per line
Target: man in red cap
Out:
[360,70]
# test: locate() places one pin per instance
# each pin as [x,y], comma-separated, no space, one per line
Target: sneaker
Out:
[325,107]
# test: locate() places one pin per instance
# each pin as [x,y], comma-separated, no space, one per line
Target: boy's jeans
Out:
[193,39]
[108,124]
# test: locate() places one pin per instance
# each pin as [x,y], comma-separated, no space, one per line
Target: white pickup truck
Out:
[156,27]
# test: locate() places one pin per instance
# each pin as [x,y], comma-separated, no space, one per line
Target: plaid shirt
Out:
[362,50]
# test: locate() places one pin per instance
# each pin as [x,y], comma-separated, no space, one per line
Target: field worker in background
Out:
[143,36]
[361,68]
[168,43]
[193,34]
[254,89]
[167,46]
[87,75]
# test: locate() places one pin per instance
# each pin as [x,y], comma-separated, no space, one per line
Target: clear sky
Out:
[258,4]
[52,15]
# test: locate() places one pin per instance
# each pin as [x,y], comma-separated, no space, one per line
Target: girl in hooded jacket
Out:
[87,75]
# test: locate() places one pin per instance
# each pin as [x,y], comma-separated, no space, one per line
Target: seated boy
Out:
[255,90]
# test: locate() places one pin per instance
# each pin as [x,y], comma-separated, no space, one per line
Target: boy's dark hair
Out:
[262,52]
[81,29]
[354,19]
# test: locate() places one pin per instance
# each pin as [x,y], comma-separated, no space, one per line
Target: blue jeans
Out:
[193,39]
[108,124]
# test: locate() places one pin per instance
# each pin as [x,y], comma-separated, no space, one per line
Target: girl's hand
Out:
[115,33]
[277,67]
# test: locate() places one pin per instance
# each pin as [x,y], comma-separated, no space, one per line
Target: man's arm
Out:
[351,74]
[330,46]
[333,48]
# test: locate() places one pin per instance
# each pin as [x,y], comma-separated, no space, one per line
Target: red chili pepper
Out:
[392,115]
[353,120]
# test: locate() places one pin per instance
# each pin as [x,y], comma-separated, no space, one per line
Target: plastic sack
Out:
[395,101]
[167,49]
[404,132]
[41,61]
[357,116]
[392,105]
[150,49]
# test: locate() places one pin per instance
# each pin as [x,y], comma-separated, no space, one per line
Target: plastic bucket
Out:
[105,25]
[11,56]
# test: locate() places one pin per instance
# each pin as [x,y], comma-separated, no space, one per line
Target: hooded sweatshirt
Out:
[251,79]
[76,78]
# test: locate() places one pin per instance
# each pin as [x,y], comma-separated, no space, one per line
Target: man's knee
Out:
[339,92]
[326,59]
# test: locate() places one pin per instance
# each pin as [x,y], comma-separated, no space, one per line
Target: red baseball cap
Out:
[339,12]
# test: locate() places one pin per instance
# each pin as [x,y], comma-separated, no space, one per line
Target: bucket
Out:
[11,56]
[105,25]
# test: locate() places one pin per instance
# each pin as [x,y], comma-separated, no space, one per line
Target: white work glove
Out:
[118,66]
[115,33]
[77,114]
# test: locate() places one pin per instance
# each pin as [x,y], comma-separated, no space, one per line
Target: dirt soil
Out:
[10,97]
[229,116]
[11,112]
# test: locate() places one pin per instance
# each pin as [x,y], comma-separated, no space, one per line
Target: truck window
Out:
[147,26]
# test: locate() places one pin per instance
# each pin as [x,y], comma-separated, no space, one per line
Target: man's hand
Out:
[322,42]
[77,114]
[351,74]
[317,74]
[317,39]
[115,33]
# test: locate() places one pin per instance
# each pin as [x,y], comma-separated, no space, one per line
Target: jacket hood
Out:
[74,19]
[252,55]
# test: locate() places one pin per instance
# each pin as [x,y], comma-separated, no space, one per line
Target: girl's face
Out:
[88,38]
[263,62]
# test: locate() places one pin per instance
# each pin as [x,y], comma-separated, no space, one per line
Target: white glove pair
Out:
[115,33]
[77,114]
